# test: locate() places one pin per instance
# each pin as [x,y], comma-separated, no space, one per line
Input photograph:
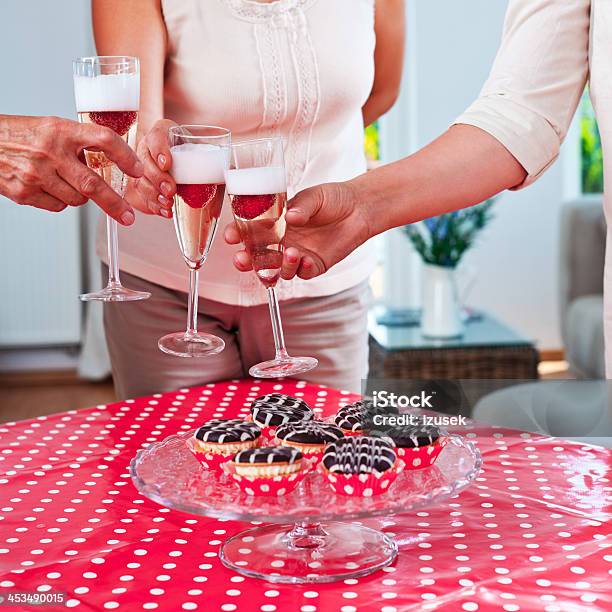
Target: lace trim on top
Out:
[252,10]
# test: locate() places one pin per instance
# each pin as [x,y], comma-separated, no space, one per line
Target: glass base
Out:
[279,368]
[308,554]
[180,344]
[115,293]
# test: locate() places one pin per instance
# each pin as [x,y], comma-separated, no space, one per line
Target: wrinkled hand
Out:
[41,164]
[154,191]
[324,225]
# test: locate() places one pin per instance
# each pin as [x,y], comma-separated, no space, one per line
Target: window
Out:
[591,158]
[372,149]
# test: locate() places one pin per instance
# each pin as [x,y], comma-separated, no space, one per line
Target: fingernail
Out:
[166,188]
[306,263]
[291,258]
[127,218]
[164,212]
[161,160]
[164,201]
[139,169]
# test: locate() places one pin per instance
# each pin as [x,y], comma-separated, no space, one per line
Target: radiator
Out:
[40,277]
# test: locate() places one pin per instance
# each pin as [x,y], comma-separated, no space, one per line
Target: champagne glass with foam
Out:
[107,93]
[200,157]
[257,188]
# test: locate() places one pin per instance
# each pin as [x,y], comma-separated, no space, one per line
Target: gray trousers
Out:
[333,329]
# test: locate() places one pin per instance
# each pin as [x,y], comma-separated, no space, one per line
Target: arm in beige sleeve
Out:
[536,82]
[509,136]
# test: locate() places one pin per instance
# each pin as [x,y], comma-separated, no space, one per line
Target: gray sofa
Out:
[583,241]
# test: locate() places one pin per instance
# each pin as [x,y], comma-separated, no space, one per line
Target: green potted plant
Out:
[441,242]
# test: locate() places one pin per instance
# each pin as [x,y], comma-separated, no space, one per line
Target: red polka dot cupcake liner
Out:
[272,486]
[211,461]
[362,485]
[421,457]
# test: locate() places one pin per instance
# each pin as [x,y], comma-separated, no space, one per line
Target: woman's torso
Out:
[300,69]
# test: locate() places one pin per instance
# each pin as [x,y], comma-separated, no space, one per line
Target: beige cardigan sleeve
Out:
[536,81]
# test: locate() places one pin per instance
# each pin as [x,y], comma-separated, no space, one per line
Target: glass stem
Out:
[113,252]
[277,325]
[307,535]
[192,311]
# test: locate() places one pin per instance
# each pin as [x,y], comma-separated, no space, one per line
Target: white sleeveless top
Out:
[300,69]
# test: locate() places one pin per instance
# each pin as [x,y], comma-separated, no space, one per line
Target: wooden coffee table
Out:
[488,350]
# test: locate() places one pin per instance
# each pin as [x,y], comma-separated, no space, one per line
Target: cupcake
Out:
[268,461]
[417,446]
[350,419]
[360,465]
[219,440]
[356,419]
[270,411]
[269,470]
[309,437]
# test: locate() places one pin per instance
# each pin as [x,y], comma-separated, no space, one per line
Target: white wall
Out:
[451,46]
[39,252]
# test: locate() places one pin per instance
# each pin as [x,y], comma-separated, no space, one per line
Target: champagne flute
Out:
[200,157]
[107,92]
[257,188]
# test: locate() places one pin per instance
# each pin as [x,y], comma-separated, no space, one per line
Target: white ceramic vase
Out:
[441,308]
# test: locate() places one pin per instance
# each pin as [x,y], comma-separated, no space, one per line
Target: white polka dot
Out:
[469,606]
[349,595]
[271,593]
[111,605]
[189,605]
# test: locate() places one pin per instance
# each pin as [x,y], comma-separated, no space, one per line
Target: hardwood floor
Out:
[27,400]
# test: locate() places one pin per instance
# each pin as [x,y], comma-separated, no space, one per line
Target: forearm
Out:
[138,29]
[377,105]
[461,168]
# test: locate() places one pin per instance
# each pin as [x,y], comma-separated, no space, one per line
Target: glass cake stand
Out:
[313,535]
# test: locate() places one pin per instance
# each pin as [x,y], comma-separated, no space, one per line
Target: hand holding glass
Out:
[257,188]
[107,93]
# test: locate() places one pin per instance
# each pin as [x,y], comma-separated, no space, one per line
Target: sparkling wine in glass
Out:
[200,157]
[257,188]
[107,93]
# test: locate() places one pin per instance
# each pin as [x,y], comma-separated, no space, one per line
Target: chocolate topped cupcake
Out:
[358,418]
[359,455]
[351,418]
[412,437]
[309,436]
[226,431]
[226,437]
[277,409]
[268,461]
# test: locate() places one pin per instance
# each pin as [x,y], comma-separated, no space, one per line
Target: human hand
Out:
[41,164]
[324,224]
[154,191]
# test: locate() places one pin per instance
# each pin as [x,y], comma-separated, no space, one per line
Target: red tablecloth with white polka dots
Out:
[533,533]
